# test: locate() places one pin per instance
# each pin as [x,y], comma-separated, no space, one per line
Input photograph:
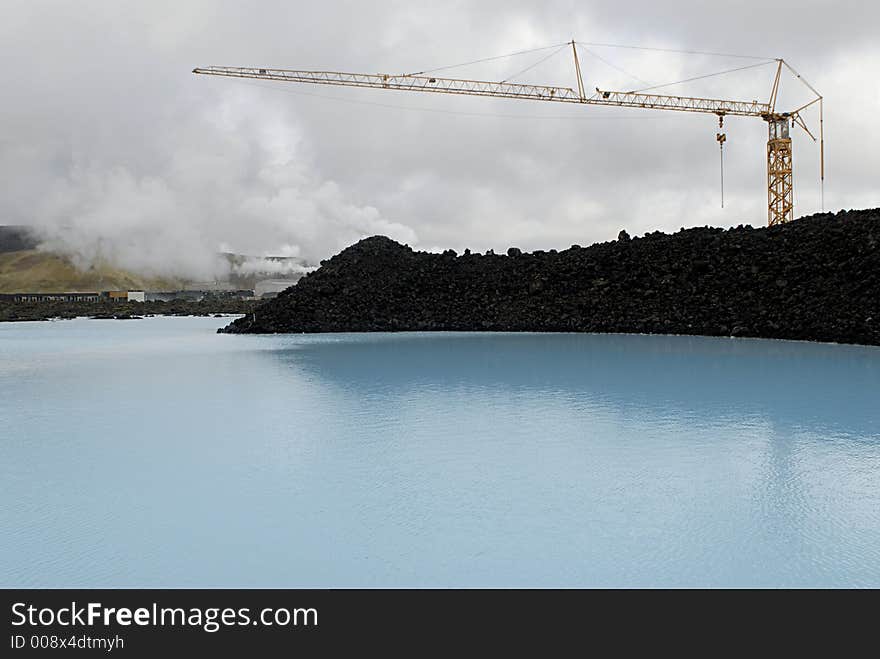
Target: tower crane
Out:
[780,184]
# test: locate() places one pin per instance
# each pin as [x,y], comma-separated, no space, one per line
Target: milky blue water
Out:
[157,453]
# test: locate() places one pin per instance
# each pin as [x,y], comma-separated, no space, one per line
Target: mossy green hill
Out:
[36,271]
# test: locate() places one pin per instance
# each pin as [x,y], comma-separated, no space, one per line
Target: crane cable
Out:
[487,59]
[560,46]
[701,77]
[540,61]
[670,50]
[614,66]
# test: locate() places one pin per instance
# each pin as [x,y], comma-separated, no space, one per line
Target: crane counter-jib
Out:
[418,83]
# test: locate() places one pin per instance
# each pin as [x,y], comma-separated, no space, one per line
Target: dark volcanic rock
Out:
[15,238]
[212,304]
[817,278]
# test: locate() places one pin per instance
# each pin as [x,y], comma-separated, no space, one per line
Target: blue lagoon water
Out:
[157,453]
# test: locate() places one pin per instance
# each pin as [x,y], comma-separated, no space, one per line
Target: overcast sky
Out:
[113,146]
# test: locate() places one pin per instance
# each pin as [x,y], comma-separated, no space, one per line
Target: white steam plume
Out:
[265,266]
[235,177]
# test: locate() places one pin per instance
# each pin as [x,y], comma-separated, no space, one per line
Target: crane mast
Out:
[780,189]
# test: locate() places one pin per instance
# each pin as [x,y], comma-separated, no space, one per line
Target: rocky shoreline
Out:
[32,311]
[817,278]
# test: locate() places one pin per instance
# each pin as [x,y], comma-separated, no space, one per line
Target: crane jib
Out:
[419,83]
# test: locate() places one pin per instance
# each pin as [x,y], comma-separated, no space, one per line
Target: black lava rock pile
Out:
[817,278]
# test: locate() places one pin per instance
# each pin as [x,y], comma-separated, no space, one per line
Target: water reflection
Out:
[789,383]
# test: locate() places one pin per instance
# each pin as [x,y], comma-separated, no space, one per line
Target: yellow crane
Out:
[780,184]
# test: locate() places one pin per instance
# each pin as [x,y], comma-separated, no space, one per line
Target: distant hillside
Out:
[25,269]
[16,238]
[34,271]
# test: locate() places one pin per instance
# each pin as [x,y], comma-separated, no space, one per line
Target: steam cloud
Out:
[264,266]
[254,192]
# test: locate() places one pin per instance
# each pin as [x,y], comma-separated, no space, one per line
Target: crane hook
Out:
[721,138]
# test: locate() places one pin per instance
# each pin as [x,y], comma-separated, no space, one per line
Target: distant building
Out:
[130,296]
[51,297]
[126,296]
